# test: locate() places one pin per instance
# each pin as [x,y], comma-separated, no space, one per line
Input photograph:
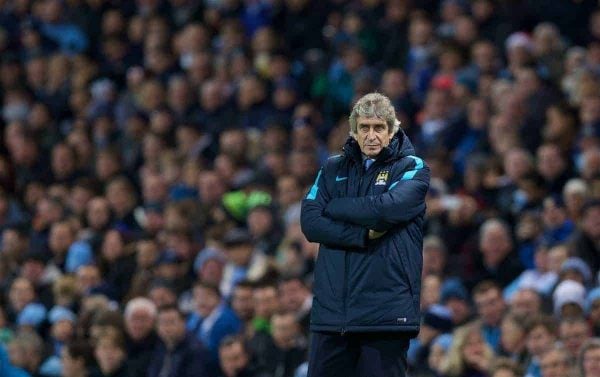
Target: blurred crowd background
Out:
[154,154]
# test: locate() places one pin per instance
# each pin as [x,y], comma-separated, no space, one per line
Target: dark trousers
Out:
[358,355]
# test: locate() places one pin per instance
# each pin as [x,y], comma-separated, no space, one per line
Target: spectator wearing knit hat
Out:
[569,299]
[455,297]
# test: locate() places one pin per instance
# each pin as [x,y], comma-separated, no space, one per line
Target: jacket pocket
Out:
[412,266]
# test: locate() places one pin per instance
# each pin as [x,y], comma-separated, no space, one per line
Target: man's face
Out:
[591,362]
[109,356]
[554,364]
[239,255]
[139,324]
[372,135]
[459,308]
[284,330]
[88,277]
[265,302]
[591,222]
[206,301]
[490,306]
[539,340]
[243,303]
[525,303]
[60,239]
[171,327]
[292,295]
[573,335]
[233,359]
[595,313]
[21,293]
[495,244]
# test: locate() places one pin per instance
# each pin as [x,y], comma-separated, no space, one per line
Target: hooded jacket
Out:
[364,285]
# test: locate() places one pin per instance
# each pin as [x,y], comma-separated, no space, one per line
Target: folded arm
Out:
[320,228]
[404,200]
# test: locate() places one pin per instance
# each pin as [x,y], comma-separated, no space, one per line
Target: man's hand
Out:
[373,235]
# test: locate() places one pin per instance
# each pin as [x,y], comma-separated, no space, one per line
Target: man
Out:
[212,319]
[234,358]
[366,209]
[573,332]
[490,308]
[243,305]
[555,362]
[295,296]
[243,262]
[526,303]
[266,303]
[540,337]
[140,315]
[282,351]
[586,242]
[498,261]
[179,353]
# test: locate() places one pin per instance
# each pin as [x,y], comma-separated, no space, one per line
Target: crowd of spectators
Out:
[154,154]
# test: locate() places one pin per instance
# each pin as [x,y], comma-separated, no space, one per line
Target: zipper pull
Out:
[343,331]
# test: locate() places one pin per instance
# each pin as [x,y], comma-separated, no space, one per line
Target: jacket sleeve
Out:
[404,200]
[322,229]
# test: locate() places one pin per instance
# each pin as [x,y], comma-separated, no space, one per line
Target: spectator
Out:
[178,353]
[588,358]
[526,303]
[541,335]
[569,299]
[496,248]
[284,350]
[266,303]
[455,296]
[556,362]
[469,354]
[141,339]
[573,332]
[211,319]
[76,359]
[584,242]
[234,358]
[295,297]
[242,303]
[512,338]
[111,355]
[490,307]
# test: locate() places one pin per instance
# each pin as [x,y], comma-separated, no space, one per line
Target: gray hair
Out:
[140,303]
[374,105]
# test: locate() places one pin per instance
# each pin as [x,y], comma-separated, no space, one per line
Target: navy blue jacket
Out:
[363,285]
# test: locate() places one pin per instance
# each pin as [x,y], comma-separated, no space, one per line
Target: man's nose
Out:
[371,134]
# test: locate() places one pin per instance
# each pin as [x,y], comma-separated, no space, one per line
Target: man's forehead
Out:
[370,121]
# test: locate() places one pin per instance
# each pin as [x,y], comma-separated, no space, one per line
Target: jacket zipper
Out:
[343,331]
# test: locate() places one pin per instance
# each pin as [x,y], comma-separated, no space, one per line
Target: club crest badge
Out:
[382,178]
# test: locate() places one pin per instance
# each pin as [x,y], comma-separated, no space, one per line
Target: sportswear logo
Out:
[339,179]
